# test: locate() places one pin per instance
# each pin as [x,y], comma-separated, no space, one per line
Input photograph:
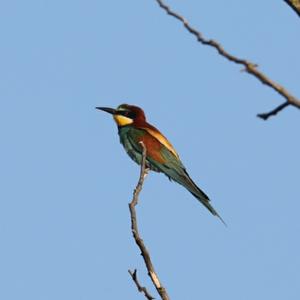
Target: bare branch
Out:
[295,5]
[250,67]
[266,116]
[135,232]
[140,288]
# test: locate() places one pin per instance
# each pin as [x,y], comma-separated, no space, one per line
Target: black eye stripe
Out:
[127,114]
[124,113]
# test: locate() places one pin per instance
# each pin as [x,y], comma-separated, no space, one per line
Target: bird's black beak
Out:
[107,109]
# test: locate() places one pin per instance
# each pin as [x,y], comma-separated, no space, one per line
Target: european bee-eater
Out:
[160,154]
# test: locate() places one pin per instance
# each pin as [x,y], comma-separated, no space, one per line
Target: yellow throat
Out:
[122,120]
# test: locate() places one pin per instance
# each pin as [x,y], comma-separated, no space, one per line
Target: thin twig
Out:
[250,67]
[135,232]
[295,5]
[140,288]
[267,115]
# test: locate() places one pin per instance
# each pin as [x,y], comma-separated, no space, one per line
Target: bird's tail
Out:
[188,183]
[205,202]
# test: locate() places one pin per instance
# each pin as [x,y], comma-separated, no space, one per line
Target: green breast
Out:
[129,137]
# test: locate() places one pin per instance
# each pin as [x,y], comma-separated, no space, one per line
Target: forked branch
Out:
[140,288]
[250,67]
[138,240]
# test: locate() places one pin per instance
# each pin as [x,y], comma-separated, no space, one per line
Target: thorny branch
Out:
[295,5]
[250,67]
[138,240]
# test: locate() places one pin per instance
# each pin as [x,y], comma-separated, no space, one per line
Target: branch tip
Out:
[250,67]
[273,112]
[140,288]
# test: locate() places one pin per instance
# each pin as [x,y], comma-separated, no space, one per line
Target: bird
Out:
[161,156]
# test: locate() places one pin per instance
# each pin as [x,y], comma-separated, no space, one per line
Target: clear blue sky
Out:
[66,181]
